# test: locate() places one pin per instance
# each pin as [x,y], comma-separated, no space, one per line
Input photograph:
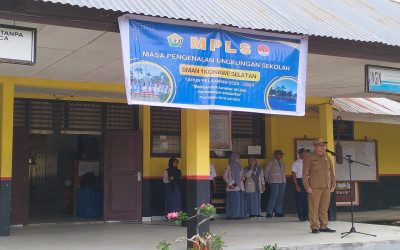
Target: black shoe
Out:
[302,219]
[279,215]
[269,216]
[327,230]
[315,231]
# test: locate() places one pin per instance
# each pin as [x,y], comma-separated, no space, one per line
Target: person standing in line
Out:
[171,178]
[254,185]
[319,182]
[274,173]
[300,192]
[235,208]
[212,180]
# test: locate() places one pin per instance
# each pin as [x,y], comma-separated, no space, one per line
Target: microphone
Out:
[331,152]
[338,158]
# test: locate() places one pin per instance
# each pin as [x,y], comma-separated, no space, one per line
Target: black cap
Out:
[302,150]
[278,152]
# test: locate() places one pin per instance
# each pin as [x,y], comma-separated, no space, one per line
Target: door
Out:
[20,177]
[122,175]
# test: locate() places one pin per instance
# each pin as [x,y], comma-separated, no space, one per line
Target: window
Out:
[248,129]
[343,130]
[67,116]
[165,125]
[121,117]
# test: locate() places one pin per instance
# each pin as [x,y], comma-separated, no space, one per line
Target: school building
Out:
[67,113]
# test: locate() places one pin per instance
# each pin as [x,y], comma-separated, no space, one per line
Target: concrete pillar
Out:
[6,141]
[144,126]
[195,149]
[326,133]
[271,134]
[326,126]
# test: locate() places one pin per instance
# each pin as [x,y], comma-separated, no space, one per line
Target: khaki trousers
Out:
[318,205]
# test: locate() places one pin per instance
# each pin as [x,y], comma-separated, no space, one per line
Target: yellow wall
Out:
[6,129]
[289,128]
[388,137]
[158,166]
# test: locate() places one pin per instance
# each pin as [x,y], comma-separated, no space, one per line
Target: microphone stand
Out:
[352,229]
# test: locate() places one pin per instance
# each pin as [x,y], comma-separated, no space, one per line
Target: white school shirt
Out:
[212,172]
[297,167]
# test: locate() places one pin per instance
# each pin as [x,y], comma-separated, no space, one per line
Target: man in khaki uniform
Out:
[319,182]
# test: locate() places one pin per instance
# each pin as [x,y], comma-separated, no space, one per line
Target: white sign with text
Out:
[17,44]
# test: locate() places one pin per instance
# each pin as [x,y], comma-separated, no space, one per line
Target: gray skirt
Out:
[253,203]
[235,207]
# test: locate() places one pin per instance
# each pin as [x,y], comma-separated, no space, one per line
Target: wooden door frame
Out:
[20,180]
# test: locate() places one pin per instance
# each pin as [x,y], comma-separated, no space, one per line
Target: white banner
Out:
[17,44]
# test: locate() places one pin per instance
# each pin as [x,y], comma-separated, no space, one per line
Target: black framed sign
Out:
[380,79]
[17,44]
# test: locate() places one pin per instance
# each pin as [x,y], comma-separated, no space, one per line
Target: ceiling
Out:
[74,54]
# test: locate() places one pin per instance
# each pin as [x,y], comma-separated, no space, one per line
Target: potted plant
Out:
[205,241]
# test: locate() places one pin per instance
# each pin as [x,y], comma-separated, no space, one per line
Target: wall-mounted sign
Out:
[202,68]
[220,130]
[17,44]
[379,79]
[342,192]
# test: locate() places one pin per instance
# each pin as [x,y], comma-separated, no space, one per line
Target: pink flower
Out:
[172,215]
[204,205]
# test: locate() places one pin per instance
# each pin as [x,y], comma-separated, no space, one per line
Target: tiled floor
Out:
[287,232]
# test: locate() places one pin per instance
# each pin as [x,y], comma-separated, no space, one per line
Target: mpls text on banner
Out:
[200,68]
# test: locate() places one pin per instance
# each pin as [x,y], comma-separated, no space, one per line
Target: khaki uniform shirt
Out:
[250,185]
[274,173]
[229,180]
[318,172]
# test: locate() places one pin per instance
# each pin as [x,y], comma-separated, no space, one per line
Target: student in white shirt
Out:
[300,192]
[212,180]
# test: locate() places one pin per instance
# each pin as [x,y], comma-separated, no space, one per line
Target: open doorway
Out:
[65,178]
[85,162]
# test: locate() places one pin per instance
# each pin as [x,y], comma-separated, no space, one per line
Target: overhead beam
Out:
[60,84]
[353,49]
[315,101]
[68,98]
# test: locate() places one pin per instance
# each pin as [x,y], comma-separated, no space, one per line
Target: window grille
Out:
[85,116]
[121,117]
[74,117]
[343,130]
[20,119]
[40,114]
[248,129]
[165,125]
